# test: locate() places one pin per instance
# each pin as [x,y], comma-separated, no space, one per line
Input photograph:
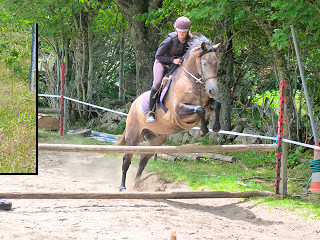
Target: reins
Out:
[199,80]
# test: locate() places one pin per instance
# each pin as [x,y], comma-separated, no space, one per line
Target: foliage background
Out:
[108,47]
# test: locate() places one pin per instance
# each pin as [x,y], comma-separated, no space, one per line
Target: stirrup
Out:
[151,117]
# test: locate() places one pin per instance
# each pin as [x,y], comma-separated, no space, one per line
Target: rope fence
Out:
[195,128]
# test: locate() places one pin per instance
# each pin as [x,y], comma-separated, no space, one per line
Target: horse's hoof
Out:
[200,134]
[122,189]
[216,127]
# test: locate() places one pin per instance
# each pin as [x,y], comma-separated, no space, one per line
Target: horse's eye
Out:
[203,63]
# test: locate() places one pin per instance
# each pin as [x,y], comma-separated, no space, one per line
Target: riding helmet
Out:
[182,24]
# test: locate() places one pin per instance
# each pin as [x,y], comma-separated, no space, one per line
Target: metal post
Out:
[314,130]
[305,89]
[33,55]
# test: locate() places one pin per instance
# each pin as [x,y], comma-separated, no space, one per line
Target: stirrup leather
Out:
[151,117]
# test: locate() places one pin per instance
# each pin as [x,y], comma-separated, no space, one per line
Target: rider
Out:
[169,52]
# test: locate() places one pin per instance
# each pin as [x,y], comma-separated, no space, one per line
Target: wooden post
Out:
[195,156]
[173,235]
[49,110]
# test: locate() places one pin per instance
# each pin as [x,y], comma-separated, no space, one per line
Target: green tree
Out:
[145,37]
[257,28]
[83,35]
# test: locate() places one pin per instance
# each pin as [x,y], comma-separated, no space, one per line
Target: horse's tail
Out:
[122,140]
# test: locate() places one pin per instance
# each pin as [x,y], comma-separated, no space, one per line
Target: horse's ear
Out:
[217,46]
[203,46]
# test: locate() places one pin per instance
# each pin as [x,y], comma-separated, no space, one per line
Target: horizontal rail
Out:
[156,149]
[137,195]
[49,110]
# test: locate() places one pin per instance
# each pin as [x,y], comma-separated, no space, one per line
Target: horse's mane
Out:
[196,42]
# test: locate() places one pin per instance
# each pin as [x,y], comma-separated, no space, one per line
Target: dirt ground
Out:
[132,219]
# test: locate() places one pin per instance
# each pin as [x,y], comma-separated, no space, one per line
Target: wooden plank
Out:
[155,149]
[195,157]
[219,157]
[137,195]
[49,110]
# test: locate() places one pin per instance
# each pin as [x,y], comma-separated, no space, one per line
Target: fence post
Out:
[280,135]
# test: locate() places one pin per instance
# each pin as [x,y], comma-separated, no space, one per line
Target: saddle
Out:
[159,95]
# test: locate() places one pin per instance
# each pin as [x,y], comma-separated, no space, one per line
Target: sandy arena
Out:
[132,219]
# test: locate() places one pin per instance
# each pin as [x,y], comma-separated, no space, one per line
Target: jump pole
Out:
[155,149]
[138,195]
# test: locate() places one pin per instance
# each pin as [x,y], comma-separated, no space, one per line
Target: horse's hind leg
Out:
[153,140]
[142,164]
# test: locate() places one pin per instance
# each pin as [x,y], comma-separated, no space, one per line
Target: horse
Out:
[189,101]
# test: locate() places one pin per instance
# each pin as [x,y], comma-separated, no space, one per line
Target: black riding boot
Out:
[151,117]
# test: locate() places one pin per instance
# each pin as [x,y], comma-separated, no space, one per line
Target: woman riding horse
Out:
[169,52]
[189,101]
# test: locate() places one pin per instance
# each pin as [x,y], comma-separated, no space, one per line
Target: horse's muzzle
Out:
[211,87]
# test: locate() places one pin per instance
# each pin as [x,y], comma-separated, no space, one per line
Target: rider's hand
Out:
[177,61]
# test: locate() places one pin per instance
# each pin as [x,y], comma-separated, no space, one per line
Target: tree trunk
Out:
[82,60]
[226,80]
[290,118]
[121,70]
[145,39]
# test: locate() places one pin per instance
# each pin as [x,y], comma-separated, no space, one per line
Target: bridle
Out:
[198,80]
[202,80]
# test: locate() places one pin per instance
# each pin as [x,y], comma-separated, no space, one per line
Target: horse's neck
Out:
[185,82]
[189,71]
[191,66]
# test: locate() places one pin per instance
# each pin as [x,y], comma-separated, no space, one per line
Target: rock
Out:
[248,140]
[112,126]
[238,128]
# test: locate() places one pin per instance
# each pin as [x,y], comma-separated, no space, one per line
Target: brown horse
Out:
[189,101]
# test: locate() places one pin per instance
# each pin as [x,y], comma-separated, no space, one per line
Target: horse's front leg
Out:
[216,108]
[185,110]
[125,166]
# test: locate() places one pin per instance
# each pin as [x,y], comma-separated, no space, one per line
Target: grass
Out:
[17,102]
[17,128]
[251,171]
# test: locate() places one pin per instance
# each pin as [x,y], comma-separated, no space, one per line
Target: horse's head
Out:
[207,66]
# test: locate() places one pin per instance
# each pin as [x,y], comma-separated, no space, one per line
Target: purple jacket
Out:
[172,48]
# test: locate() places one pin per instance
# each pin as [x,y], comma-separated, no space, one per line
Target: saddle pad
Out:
[160,104]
